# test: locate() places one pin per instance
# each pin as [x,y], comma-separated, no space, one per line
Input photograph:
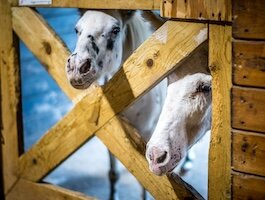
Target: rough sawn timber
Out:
[165,50]
[220,52]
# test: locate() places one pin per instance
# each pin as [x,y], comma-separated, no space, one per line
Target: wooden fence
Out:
[96,109]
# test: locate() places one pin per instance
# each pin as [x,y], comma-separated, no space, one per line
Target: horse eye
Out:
[116,30]
[204,88]
[77,31]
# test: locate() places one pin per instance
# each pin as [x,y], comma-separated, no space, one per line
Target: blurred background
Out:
[44,104]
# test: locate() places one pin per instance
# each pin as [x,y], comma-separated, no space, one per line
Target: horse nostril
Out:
[85,67]
[157,155]
[162,158]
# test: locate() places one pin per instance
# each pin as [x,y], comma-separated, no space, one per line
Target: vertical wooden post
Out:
[9,97]
[219,178]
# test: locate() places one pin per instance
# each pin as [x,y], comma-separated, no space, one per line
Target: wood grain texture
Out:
[248,109]
[26,190]
[167,47]
[220,54]
[247,187]
[9,72]
[249,63]
[217,10]
[46,46]
[116,136]
[248,19]
[103,4]
[248,152]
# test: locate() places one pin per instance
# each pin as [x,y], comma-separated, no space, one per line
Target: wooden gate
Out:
[96,109]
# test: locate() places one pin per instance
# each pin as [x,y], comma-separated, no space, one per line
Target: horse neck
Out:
[137,30]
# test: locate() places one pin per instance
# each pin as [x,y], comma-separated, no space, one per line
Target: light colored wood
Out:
[168,47]
[248,152]
[247,187]
[217,10]
[45,45]
[116,136]
[249,63]
[248,108]
[248,19]
[104,4]
[9,97]
[220,53]
[26,190]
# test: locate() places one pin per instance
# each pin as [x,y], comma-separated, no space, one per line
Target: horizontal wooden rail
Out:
[216,10]
[167,48]
[102,4]
[247,186]
[248,152]
[26,190]
[248,108]
[249,63]
[248,22]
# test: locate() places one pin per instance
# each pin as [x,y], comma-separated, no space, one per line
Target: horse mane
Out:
[137,29]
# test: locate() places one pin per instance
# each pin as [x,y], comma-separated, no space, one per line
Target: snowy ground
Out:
[87,169]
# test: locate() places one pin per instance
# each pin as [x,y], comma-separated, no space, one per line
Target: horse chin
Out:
[158,170]
[82,85]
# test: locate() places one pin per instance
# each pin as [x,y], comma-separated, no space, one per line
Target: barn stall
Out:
[235,172]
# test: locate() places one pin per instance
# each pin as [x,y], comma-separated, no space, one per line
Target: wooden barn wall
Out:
[248,100]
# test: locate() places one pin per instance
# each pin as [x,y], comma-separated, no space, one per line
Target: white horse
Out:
[186,114]
[105,39]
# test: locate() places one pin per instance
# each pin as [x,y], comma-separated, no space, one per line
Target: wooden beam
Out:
[216,10]
[9,97]
[103,4]
[248,152]
[248,19]
[116,136]
[220,53]
[247,187]
[26,190]
[249,63]
[45,45]
[152,61]
[248,108]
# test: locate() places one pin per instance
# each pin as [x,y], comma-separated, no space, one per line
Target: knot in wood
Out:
[34,161]
[150,62]
[244,147]
[47,47]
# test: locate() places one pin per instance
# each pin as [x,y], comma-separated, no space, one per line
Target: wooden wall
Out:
[248,100]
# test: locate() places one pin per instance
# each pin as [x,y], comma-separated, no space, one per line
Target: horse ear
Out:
[126,14]
[82,11]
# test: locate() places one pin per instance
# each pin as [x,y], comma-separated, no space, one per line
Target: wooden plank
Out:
[248,19]
[26,190]
[9,97]
[248,152]
[217,10]
[103,4]
[165,49]
[116,136]
[248,108]
[220,54]
[247,187]
[45,45]
[249,63]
